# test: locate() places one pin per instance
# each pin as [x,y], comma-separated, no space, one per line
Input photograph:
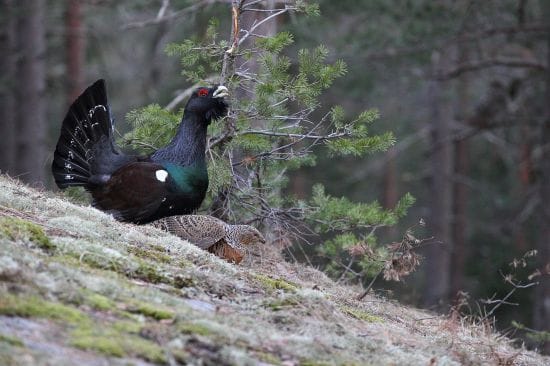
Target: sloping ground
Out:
[79,288]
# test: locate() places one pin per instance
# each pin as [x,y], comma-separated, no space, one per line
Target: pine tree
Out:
[276,124]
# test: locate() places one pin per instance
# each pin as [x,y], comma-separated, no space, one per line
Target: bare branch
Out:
[257,24]
[165,18]
[162,10]
[330,136]
[484,64]
[500,302]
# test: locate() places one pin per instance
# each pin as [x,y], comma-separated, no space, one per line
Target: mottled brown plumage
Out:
[212,234]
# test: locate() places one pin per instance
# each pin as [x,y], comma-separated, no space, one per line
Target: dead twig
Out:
[162,17]
[402,260]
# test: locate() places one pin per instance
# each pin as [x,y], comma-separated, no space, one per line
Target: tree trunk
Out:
[7,99]
[31,113]
[247,19]
[438,256]
[542,291]
[525,167]
[460,208]
[74,50]
[460,189]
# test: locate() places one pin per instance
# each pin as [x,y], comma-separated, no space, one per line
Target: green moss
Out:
[361,315]
[99,302]
[182,357]
[144,271]
[146,349]
[99,261]
[126,326]
[151,311]
[118,339]
[313,363]
[181,281]
[194,328]
[76,195]
[66,259]
[15,228]
[310,362]
[12,341]
[281,304]
[149,273]
[101,344]
[268,358]
[182,262]
[32,306]
[276,283]
[115,341]
[150,252]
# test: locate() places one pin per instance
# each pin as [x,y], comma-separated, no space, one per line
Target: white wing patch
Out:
[161,175]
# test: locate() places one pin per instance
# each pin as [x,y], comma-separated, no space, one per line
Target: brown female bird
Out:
[214,235]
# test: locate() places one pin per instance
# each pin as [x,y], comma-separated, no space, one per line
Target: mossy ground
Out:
[13,341]
[15,228]
[360,314]
[77,287]
[276,283]
[111,341]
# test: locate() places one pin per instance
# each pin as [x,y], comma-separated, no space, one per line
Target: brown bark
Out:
[525,169]
[75,49]
[542,292]
[31,113]
[438,257]
[460,226]
[299,185]
[7,98]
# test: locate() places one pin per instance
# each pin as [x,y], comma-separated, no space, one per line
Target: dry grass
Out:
[103,292]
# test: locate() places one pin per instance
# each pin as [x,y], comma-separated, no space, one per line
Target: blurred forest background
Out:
[464,86]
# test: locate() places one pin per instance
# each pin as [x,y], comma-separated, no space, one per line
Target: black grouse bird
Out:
[171,181]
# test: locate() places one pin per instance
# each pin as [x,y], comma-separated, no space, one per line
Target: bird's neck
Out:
[188,145]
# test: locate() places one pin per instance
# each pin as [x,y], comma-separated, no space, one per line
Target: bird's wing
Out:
[203,231]
[133,192]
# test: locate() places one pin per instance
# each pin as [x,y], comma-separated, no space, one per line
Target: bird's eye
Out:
[203,92]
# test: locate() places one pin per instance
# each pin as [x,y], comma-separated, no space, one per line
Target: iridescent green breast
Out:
[189,179]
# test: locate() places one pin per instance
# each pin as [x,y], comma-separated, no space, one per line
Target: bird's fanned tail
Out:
[86,125]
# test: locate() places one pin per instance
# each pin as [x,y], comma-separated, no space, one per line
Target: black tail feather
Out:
[87,123]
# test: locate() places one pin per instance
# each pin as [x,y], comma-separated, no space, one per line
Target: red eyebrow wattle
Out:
[203,92]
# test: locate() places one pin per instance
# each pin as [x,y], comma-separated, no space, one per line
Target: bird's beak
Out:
[221,92]
[262,240]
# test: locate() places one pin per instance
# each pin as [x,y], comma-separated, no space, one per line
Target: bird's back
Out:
[203,231]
